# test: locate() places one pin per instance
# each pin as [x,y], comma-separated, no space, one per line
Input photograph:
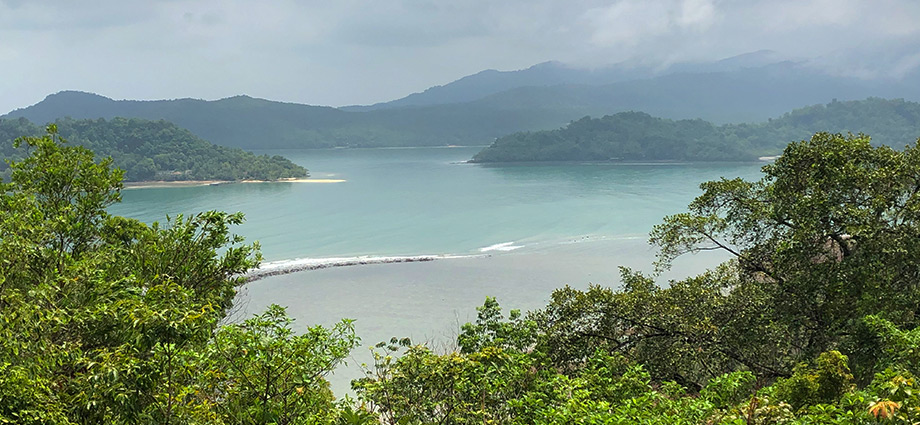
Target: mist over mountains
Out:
[553,73]
[477,109]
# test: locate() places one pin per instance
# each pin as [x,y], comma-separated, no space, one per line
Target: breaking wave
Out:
[275,268]
[505,246]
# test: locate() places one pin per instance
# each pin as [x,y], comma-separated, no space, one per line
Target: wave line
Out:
[282,267]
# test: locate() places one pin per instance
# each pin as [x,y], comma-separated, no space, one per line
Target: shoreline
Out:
[193,183]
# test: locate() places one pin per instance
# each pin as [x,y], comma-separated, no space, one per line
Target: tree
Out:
[690,332]
[259,371]
[64,190]
[830,234]
[105,319]
[473,386]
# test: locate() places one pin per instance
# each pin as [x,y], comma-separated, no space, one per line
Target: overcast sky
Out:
[342,52]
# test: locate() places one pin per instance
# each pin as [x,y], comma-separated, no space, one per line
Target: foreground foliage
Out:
[813,321]
[107,320]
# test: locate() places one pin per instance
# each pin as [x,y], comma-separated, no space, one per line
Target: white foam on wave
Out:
[275,268]
[505,246]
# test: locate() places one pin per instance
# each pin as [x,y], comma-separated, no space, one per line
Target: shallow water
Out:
[520,232]
[427,201]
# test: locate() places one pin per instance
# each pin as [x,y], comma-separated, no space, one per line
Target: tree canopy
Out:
[813,320]
[104,319]
[154,150]
[636,136]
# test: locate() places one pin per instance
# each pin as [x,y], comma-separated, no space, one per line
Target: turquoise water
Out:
[527,229]
[427,201]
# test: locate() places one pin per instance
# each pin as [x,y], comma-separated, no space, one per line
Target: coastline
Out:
[191,183]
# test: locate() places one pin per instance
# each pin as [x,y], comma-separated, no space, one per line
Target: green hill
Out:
[639,136]
[153,150]
[247,122]
[481,109]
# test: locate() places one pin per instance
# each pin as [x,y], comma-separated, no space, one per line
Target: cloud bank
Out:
[359,52]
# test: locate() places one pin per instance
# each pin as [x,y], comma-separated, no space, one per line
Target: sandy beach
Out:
[188,183]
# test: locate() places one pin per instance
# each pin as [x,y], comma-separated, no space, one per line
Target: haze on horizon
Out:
[353,52]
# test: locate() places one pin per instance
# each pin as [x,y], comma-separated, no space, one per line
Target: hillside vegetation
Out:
[153,150]
[482,107]
[815,319]
[251,123]
[639,136]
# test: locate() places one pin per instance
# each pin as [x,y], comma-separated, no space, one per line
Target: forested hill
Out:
[153,150]
[639,136]
[251,123]
[475,111]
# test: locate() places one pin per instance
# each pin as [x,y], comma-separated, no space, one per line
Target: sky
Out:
[346,52]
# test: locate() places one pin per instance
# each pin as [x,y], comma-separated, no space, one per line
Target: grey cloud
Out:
[64,16]
[359,51]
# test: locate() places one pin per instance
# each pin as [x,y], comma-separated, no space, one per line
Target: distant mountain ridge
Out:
[745,95]
[553,73]
[744,90]
[490,82]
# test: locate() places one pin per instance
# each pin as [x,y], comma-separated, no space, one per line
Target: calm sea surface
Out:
[527,230]
[427,201]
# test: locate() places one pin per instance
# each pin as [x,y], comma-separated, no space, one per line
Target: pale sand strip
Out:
[188,183]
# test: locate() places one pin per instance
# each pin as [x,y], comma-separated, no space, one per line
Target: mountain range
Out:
[477,109]
[554,73]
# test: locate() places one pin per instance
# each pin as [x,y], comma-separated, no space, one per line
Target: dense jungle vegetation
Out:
[104,319]
[633,136]
[153,150]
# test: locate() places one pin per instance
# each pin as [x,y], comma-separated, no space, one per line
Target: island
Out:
[154,151]
[637,136]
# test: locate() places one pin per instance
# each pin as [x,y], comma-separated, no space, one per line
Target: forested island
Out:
[153,150]
[637,136]
[814,319]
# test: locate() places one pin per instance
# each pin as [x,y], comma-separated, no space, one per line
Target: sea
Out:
[412,240]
